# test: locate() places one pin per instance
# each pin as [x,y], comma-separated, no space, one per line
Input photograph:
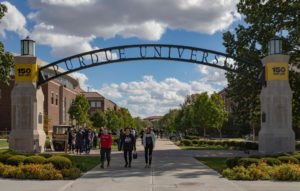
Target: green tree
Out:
[79,110]
[263,20]
[114,122]
[167,122]
[217,112]
[99,119]
[6,59]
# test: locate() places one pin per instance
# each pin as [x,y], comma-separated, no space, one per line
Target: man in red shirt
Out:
[105,147]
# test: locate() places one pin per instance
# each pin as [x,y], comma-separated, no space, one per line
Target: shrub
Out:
[4,157]
[60,162]
[71,173]
[297,156]
[46,155]
[35,160]
[247,161]
[232,162]
[2,168]
[41,172]
[186,142]
[16,159]
[253,172]
[271,161]
[288,159]
[32,171]
[287,172]
[195,142]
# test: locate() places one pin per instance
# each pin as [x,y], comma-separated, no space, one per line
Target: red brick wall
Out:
[5,106]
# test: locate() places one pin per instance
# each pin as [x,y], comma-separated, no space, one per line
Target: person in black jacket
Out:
[128,145]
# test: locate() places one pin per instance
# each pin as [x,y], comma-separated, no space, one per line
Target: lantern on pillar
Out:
[27,47]
[275,46]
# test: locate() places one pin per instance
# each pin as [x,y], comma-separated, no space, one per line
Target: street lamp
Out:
[27,47]
[275,46]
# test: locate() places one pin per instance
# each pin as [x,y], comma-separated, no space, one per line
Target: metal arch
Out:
[141,52]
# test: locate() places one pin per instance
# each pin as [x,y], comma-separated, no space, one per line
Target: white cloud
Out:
[131,18]
[149,96]
[215,75]
[13,20]
[152,97]
[62,44]
[67,2]
[82,79]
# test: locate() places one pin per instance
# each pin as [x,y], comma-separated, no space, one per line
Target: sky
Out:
[63,28]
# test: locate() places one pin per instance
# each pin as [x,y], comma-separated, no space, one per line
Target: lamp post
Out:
[27,47]
[275,46]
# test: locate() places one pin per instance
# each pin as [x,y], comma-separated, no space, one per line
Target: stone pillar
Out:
[27,133]
[276,134]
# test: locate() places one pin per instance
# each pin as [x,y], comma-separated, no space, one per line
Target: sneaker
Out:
[126,165]
[102,166]
[129,166]
[107,165]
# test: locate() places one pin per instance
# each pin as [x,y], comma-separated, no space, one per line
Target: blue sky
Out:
[65,27]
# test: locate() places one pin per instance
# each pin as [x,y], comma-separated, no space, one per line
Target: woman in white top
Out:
[149,144]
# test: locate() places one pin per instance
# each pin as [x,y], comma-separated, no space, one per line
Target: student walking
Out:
[128,145]
[105,147]
[149,143]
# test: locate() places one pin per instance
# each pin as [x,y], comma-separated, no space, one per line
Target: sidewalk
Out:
[172,170]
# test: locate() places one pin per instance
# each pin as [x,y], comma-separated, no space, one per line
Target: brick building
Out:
[99,103]
[58,97]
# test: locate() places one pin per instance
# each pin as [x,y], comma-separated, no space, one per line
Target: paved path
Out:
[172,170]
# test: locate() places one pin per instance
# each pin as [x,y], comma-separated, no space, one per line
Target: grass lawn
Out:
[218,164]
[85,163]
[3,143]
[204,147]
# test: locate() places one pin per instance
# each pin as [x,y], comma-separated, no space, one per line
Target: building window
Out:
[56,99]
[93,104]
[52,98]
[98,104]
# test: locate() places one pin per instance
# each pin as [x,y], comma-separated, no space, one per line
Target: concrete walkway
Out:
[172,170]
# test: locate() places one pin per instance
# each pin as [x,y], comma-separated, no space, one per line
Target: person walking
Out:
[105,147]
[128,145]
[149,144]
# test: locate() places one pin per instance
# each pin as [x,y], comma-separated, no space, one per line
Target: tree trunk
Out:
[204,132]
[253,131]
[220,133]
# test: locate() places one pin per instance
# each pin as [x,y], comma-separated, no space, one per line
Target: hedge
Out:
[232,162]
[71,173]
[288,159]
[245,162]
[241,145]
[16,160]
[60,162]
[35,160]
[271,161]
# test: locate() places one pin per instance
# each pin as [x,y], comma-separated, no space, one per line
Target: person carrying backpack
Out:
[105,147]
[149,143]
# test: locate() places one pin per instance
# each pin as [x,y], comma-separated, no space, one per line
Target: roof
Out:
[153,118]
[92,95]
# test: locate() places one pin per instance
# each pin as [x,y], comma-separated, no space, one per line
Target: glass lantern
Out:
[275,46]
[27,47]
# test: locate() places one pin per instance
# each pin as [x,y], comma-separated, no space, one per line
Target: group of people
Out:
[127,143]
[81,140]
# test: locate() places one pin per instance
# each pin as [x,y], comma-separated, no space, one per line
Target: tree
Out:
[6,59]
[79,110]
[99,119]
[114,122]
[218,113]
[263,20]
[167,122]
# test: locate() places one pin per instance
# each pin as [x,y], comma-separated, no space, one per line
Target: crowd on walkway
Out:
[127,143]
[81,140]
